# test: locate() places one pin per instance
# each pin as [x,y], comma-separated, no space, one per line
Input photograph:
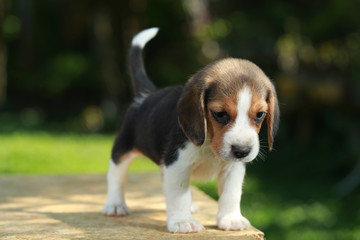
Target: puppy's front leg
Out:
[178,199]
[230,188]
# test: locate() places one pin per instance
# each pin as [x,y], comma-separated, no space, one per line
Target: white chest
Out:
[206,165]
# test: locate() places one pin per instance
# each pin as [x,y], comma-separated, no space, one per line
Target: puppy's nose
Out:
[240,152]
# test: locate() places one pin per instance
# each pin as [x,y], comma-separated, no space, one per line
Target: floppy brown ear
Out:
[273,116]
[191,110]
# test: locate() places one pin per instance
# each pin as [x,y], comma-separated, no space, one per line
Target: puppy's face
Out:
[234,123]
[230,99]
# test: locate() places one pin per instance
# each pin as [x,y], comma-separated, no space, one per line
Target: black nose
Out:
[240,152]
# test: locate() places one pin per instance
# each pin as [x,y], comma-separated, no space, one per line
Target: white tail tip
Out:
[144,36]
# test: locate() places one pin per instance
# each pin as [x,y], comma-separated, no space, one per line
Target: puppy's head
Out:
[226,103]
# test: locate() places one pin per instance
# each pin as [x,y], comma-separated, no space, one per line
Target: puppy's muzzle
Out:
[240,151]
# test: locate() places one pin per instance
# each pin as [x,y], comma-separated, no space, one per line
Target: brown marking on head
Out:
[215,129]
[258,104]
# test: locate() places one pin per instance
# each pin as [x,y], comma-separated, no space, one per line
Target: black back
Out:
[152,127]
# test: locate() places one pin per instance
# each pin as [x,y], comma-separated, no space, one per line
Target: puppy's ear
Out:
[191,110]
[273,115]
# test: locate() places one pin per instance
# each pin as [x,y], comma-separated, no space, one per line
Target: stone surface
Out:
[69,207]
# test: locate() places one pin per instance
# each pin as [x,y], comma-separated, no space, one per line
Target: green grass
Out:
[43,153]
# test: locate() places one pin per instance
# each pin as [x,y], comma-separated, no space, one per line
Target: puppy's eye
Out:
[259,117]
[221,117]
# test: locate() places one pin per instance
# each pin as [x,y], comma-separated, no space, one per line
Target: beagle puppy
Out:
[205,129]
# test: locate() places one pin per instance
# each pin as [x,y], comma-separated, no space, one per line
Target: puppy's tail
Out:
[141,82]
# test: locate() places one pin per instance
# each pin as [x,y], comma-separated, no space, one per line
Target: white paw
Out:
[233,222]
[184,225]
[115,209]
[194,208]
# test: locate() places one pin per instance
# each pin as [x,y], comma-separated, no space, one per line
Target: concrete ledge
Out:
[69,207]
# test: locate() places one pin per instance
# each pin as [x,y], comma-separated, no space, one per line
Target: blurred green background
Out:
[64,88]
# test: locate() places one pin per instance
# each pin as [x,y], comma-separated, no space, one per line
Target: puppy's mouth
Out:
[234,159]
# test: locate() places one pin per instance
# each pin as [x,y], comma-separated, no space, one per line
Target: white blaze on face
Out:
[241,134]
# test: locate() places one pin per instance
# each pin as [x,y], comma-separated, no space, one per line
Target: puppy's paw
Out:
[189,225]
[115,209]
[194,208]
[233,222]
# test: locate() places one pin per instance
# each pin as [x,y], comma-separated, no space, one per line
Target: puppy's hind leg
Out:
[115,204]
